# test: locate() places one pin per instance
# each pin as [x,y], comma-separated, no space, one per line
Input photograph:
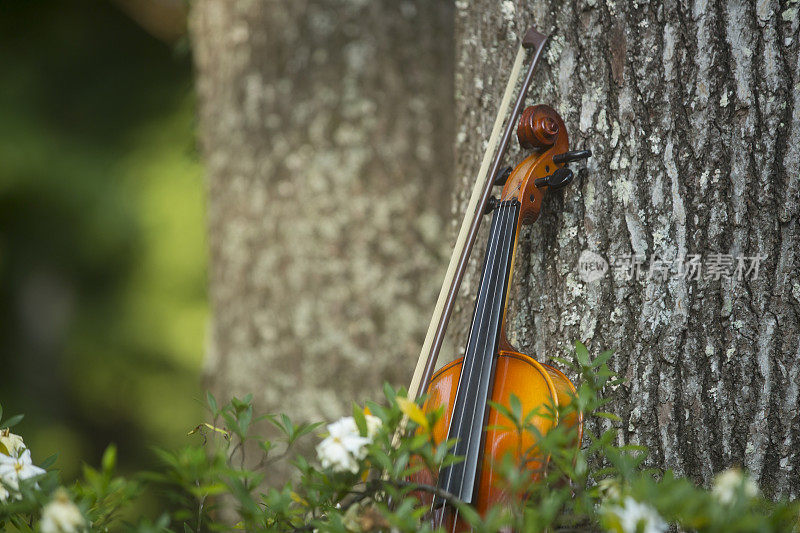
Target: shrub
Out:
[360,479]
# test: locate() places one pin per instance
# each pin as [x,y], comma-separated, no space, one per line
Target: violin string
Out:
[465,378]
[497,289]
[491,291]
[495,284]
[466,373]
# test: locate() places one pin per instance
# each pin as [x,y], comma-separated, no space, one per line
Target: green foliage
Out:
[367,479]
[103,304]
[102,493]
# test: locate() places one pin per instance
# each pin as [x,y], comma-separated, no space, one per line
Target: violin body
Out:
[535,384]
[491,369]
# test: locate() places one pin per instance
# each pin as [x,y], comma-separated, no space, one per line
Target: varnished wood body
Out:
[536,385]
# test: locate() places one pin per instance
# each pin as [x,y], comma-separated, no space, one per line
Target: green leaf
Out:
[212,402]
[389,392]
[582,354]
[287,425]
[564,361]
[265,446]
[210,489]
[383,460]
[109,460]
[306,428]
[516,409]
[360,419]
[232,424]
[245,418]
[602,358]
[13,421]
[238,405]
[50,461]
[502,409]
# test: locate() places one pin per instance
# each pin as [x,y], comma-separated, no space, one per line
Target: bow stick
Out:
[473,214]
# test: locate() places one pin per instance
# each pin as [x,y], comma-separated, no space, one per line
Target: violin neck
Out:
[477,373]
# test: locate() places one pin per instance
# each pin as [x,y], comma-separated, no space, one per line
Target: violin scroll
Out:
[537,128]
[542,129]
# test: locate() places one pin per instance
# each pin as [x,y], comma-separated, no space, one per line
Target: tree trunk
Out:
[693,115]
[327,131]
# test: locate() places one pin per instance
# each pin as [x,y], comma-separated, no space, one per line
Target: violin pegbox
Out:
[541,129]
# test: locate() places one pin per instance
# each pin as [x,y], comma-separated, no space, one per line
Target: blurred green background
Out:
[102,253]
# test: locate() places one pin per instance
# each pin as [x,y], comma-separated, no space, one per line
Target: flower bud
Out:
[61,515]
[10,444]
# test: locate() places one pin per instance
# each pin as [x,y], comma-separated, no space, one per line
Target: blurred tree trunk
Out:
[327,131]
[693,114]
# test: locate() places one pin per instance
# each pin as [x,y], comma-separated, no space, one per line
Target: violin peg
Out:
[561,178]
[573,155]
[491,205]
[558,179]
[502,177]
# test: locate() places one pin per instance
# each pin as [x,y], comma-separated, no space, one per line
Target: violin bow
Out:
[474,213]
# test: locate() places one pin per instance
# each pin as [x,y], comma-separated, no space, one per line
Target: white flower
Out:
[61,515]
[343,447]
[728,484]
[632,514]
[15,469]
[3,493]
[10,444]
[334,456]
[373,425]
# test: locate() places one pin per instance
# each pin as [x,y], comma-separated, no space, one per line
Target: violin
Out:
[491,369]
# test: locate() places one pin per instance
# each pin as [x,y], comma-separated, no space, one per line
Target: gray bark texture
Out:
[327,131]
[692,110]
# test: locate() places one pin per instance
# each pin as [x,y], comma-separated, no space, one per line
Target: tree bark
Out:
[327,131]
[693,114]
